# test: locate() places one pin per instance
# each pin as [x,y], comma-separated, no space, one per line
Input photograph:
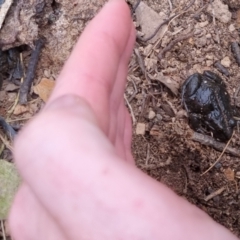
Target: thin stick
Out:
[11,110]
[158,41]
[2,148]
[148,153]
[3,230]
[209,141]
[170,5]
[214,194]
[141,64]
[214,22]
[173,43]
[136,6]
[165,22]
[131,110]
[25,87]
[18,119]
[157,29]
[17,98]
[135,91]
[218,157]
[6,143]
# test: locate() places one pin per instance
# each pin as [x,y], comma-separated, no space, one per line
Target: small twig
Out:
[141,64]
[2,148]
[148,153]
[6,143]
[11,110]
[3,230]
[7,128]
[173,43]
[18,119]
[214,194]
[130,108]
[189,5]
[157,29]
[135,6]
[144,104]
[199,11]
[209,141]
[153,166]
[140,61]
[135,91]
[26,85]
[221,68]
[236,51]
[163,23]
[170,5]
[218,157]
[214,22]
[158,41]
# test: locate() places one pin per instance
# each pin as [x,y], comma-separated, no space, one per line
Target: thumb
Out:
[67,125]
[75,174]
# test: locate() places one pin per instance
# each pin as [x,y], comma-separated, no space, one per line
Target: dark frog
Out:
[207,102]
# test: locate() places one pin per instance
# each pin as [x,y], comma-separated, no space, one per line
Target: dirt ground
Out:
[163,145]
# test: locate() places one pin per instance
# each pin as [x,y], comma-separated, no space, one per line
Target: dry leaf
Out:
[20,109]
[4,7]
[44,88]
[11,87]
[168,82]
[9,182]
[229,174]
[150,63]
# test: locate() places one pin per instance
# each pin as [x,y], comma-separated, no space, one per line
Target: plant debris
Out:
[26,85]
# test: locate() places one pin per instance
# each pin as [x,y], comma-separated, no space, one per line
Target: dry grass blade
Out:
[131,110]
[3,230]
[214,194]
[211,142]
[218,157]
[6,143]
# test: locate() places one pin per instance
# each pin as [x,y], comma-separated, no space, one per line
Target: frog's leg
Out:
[189,87]
[195,121]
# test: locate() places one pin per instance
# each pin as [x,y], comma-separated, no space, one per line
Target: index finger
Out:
[91,70]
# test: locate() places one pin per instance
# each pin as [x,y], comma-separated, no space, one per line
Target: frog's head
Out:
[211,76]
[222,129]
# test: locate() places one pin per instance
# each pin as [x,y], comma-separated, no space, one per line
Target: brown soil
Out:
[165,151]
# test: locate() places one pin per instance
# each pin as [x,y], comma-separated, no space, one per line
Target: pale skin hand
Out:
[80,181]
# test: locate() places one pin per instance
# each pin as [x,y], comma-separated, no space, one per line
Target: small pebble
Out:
[151,114]
[231,28]
[209,63]
[209,36]
[47,73]
[226,62]
[203,24]
[159,117]
[140,128]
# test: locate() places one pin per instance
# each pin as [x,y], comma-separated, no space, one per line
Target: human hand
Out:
[75,159]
